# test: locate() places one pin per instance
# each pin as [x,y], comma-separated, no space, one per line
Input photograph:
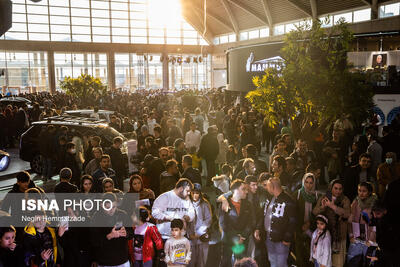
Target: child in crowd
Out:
[146,236]
[8,252]
[196,160]
[40,243]
[321,244]
[177,248]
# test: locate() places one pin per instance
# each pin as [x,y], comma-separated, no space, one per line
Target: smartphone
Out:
[118,225]
[329,195]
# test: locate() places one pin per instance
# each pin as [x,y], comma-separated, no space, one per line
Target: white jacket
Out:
[323,249]
[170,206]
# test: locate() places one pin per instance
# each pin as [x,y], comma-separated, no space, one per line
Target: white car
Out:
[86,113]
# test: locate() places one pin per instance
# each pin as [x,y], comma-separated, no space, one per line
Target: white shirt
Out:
[192,139]
[170,206]
[151,123]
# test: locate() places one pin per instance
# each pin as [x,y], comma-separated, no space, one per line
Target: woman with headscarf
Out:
[336,207]
[360,233]
[306,199]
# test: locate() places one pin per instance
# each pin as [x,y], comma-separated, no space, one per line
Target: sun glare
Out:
[165,13]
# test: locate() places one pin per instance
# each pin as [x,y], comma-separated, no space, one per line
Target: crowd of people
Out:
[223,187]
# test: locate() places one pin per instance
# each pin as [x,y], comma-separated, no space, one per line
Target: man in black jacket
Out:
[209,149]
[103,172]
[118,162]
[356,174]
[189,172]
[236,224]
[111,243]
[279,222]
[157,166]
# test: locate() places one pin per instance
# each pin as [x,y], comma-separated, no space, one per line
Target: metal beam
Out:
[366,2]
[211,15]
[231,16]
[267,10]
[200,29]
[314,9]
[300,7]
[249,11]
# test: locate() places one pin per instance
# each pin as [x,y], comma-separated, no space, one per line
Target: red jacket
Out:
[151,236]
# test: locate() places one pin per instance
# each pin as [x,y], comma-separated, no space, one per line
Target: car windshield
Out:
[110,133]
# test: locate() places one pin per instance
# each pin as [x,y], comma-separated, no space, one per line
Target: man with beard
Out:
[174,204]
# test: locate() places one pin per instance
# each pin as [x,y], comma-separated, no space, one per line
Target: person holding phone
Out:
[40,243]
[335,206]
[110,244]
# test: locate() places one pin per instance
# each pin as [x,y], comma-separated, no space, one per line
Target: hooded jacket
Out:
[33,247]
[152,240]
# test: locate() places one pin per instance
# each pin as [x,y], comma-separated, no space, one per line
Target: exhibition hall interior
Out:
[213,133]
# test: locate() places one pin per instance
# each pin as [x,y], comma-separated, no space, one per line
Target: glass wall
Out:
[23,72]
[389,10]
[103,21]
[138,71]
[189,72]
[75,64]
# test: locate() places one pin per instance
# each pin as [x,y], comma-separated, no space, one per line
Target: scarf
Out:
[308,197]
[366,203]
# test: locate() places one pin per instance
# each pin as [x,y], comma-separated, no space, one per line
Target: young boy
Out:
[177,248]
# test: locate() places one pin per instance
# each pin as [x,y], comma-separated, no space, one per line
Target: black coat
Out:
[232,224]
[117,161]
[70,162]
[352,179]
[209,147]
[192,174]
[283,220]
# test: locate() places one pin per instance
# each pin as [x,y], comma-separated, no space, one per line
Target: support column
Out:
[51,71]
[111,71]
[165,70]
[374,10]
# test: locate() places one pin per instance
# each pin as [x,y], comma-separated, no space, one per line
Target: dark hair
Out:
[378,206]
[170,163]
[6,229]
[184,182]
[97,139]
[323,232]
[187,159]
[131,179]
[290,160]
[149,139]
[236,184]
[250,179]
[245,262]
[62,138]
[281,161]
[86,177]
[367,185]
[144,214]
[226,168]
[364,155]
[23,177]
[264,176]
[69,145]
[110,196]
[251,150]
[105,156]
[312,167]
[65,173]
[246,162]
[117,139]
[157,129]
[177,223]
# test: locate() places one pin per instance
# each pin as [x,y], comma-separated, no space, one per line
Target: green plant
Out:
[85,87]
[315,86]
